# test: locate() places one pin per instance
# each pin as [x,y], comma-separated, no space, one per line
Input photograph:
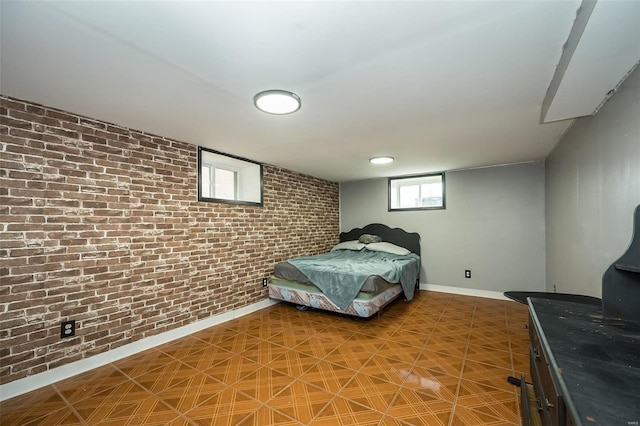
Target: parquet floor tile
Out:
[401,352]
[352,356]
[264,383]
[293,363]
[328,376]
[62,416]
[87,384]
[191,392]
[266,416]
[166,377]
[334,334]
[215,335]
[264,352]
[417,408]
[437,385]
[38,407]
[226,408]
[387,369]
[143,363]
[184,347]
[454,348]
[233,369]
[238,343]
[370,391]
[206,358]
[493,357]
[435,361]
[316,347]
[123,402]
[387,420]
[290,338]
[301,401]
[409,338]
[344,412]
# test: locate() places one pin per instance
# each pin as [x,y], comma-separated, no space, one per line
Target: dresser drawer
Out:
[548,396]
[528,404]
[552,401]
[534,362]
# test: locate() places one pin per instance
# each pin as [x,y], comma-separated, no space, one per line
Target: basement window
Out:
[224,178]
[418,192]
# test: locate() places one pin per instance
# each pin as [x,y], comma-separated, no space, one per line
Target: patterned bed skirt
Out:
[364,305]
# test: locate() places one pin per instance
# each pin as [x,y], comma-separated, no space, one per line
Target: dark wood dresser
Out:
[585,368]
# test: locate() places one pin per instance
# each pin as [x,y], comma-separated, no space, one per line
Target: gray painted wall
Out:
[592,189]
[493,225]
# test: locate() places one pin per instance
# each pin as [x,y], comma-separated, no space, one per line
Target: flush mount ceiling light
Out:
[277,102]
[381,160]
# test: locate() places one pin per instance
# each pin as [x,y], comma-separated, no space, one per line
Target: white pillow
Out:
[388,247]
[349,245]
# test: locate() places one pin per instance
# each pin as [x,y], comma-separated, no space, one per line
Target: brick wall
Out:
[101,224]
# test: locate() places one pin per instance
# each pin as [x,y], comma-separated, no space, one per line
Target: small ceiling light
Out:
[277,102]
[381,160]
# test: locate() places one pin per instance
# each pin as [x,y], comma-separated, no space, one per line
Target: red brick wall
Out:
[101,224]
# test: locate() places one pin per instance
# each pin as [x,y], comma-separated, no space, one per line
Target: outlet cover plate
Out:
[67,329]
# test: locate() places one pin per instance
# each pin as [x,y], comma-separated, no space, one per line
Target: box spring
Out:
[364,305]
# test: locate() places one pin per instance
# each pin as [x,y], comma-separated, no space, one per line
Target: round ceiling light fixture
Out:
[277,102]
[381,160]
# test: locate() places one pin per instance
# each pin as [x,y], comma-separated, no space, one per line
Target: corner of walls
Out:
[592,188]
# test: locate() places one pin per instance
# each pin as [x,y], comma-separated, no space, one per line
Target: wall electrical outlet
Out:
[467,273]
[265,282]
[67,329]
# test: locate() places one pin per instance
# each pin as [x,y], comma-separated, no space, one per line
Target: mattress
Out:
[364,305]
[288,272]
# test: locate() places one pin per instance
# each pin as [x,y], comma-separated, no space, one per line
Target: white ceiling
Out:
[438,85]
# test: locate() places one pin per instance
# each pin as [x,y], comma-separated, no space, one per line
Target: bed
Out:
[370,267]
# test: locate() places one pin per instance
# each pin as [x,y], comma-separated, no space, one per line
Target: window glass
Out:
[224,184]
[227,179]
[205,176]
[409,196]
[417,192]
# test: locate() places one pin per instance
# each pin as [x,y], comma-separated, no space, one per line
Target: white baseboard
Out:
[464,291]
[27,384]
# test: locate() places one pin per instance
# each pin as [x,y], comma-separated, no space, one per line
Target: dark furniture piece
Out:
[621,282]
[521,296]
[585,358]
[585,367]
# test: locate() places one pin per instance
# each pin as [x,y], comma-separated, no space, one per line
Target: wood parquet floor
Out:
[441,359]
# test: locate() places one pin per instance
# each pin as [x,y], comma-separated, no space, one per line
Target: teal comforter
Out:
[341,274]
